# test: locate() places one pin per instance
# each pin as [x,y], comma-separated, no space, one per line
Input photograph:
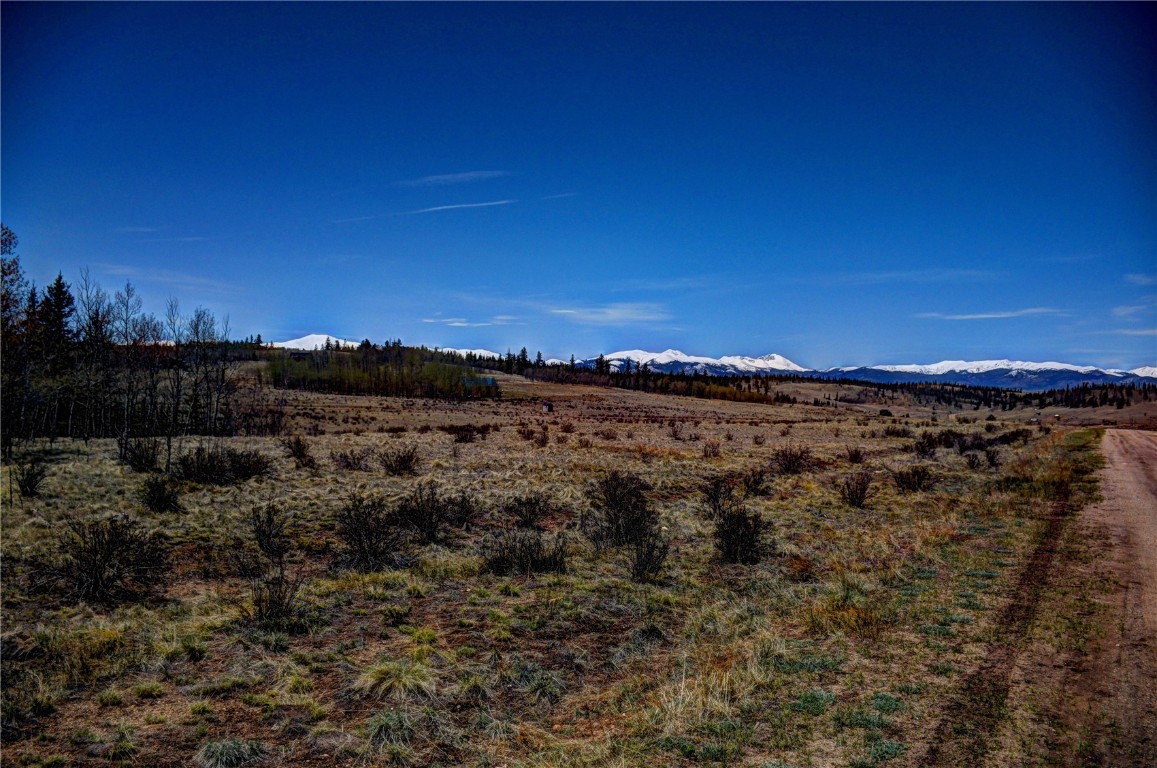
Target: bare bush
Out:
[214,466]
[917,477]
[108,560]
[529,510]
[298,449]
[739,532]
[159,495]
[140,454]
[525,551]
[648,554]
[855,454]
[371,541]
[755,481]
[353,460]
[29,475]
[401,461]
[855,489]
[792,459]
[623,513]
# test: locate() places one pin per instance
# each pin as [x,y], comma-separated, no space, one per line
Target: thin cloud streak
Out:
[1030,312]
[136,230]
[1137,332]
[1137,279]
[166,277]
[615,314]
[915,276]
[462,205]
[446,179]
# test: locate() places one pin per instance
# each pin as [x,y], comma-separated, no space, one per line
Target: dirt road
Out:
[1124,672]
[1129,511]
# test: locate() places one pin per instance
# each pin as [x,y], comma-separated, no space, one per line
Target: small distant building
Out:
[548,407]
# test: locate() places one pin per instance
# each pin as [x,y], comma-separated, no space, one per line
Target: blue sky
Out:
[841,184]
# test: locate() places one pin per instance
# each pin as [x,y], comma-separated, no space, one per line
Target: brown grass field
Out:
[885,635]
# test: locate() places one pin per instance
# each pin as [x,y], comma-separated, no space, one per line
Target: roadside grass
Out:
[840,643]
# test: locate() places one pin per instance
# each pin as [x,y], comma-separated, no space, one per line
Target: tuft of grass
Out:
[401,461]
[855,489]
[813,702]
[399,680]
[30,475]
[229,754]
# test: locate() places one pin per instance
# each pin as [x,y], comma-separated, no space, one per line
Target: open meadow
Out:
[616,578]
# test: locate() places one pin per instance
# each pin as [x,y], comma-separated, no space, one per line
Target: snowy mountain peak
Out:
[674,360]
[1149,372]
[464,352]
[315,341]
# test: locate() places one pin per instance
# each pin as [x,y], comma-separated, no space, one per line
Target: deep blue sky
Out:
[841,184]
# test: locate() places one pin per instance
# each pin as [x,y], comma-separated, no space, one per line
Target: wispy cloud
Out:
[559,197]
[176,240]
[446,179]
[1129,311]
[915,276]
[1136,332]
[662,284]
[1137,279]
[463,205]
[1029,312]
[136,230]
[462,322]
[167,277]
[356,218]
[614,314]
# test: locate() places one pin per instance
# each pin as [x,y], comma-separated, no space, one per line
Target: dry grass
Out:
[776,660]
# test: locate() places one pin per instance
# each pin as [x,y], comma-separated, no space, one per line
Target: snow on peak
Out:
[315,341]
[464,352]
[981,366]
[1148,371]
[771,362]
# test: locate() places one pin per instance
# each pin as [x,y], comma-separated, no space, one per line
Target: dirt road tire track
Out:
[1119,676]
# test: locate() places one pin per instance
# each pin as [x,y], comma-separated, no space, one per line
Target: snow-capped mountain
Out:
[674,361]
[464,352]
[315,341]
[1008,374]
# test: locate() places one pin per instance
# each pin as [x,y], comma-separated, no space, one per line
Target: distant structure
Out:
[548,407]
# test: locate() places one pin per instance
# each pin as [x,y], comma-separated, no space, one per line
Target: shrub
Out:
[529,510]
[515,552]
[426,510]
[925,446]
[402,461]
[792,459]
[755,482]
[973,460]
[855,489]
[712,449]
[275,599]
[215,466]
[353,460]
[158,495]
[648,555]
[855,454]
[229,754]
[371,542]
[109,559]
[267,527]
[917,477]
[992,455]
[717,492]
[140,454]
[739,532]
[895,431]
[466,433]
[298,449]
[623,511]
[29,476]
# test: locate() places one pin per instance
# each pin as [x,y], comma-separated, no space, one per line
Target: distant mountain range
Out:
[1007,374]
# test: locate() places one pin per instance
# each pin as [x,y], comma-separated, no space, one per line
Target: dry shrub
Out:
[855,489]
[855,454]
[30,475]
[353,460]
[401,461]
[140,454]
[426,510]
[298,449]
[371,541]
[515,552]
[529,510]
[159,495]
[108,560]
[216,466]
[712,449]
[623,516]
[792,459]
[917,477]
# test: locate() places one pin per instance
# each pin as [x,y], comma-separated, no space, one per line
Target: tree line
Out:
[81,363]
